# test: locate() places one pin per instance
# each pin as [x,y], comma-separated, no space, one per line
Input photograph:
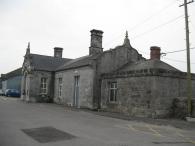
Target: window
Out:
[76,79]
[59,87]
[76,91]
[113,92]
[43,86]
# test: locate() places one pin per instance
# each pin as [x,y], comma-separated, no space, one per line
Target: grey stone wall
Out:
[35,85]
[114,59]
[168,90]
[134,96]
[143,94]
[86,76]
[109,61]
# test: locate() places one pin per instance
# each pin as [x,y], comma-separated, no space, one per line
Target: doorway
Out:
[76,92]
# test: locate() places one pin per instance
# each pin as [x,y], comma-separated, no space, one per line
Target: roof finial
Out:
[28,45]
[126,34]
[28,49]
[126,40]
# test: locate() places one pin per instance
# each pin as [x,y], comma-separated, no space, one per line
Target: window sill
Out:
[43,94]
[113,102]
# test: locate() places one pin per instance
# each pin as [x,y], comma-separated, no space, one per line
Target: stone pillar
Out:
[96,42]
[22,88]
[27,93]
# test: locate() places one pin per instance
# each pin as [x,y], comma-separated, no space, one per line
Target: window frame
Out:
[60,87]
[114,90]
[43,86]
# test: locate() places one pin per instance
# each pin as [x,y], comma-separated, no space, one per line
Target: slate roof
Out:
[47,63]
[148,64]
[87,60]
[78,62]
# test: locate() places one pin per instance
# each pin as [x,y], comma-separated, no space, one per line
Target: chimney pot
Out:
[96,42]
[58,52]
[155,52]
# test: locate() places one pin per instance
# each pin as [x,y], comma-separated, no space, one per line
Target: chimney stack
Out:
[96,42]
[58,52]
[155,52]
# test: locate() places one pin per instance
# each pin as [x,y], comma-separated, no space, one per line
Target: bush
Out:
[178,108]
[44,98]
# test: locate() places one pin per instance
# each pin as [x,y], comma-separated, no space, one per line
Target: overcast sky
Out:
[67,23]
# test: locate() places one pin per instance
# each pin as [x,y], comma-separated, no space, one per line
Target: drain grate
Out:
[47,134]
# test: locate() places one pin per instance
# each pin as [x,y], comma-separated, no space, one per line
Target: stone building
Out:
[118,80]
[146,88]
[38,75]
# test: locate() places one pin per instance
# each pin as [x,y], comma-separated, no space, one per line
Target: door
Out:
[27,88]
[76,92]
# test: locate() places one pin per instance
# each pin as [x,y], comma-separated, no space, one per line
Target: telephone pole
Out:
[189,81]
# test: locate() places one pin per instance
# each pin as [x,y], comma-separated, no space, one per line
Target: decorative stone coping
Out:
[147,72]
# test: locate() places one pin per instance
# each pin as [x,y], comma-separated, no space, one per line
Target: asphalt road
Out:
[37,124]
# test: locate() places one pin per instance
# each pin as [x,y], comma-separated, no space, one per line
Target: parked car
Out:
[12,93]
[1,92]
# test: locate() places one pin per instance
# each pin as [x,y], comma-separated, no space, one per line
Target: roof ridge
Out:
[154,63]
[49,56]
[77,62]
